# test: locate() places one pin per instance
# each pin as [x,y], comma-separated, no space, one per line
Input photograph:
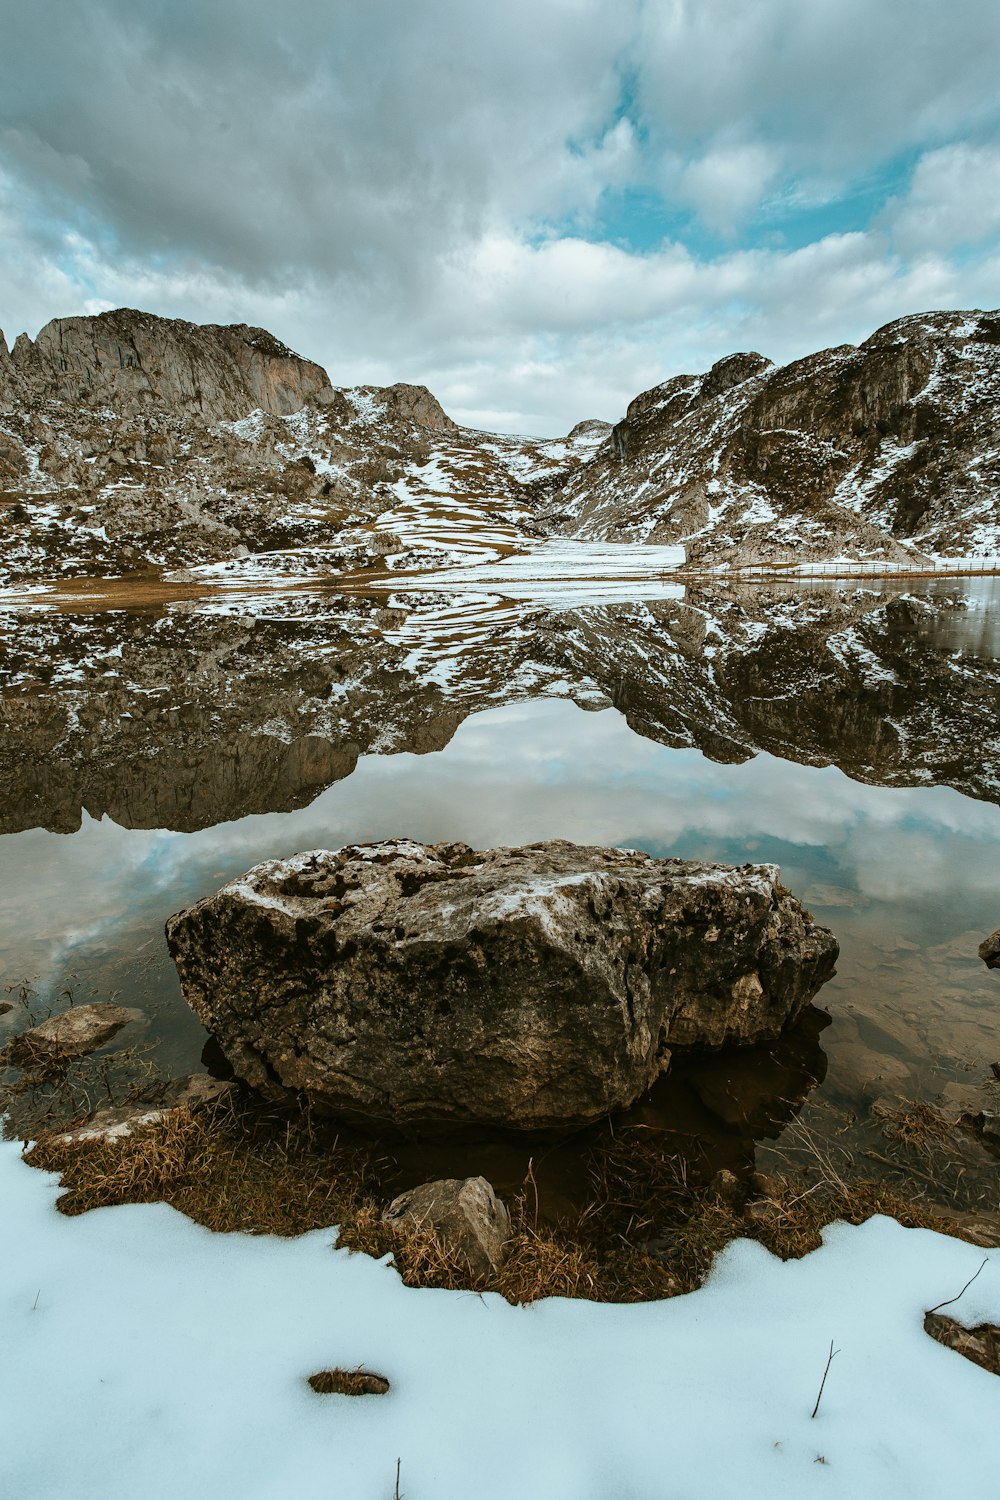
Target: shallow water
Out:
[906,875]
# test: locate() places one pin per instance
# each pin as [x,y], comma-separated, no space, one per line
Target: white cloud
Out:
[727,183]
[953,201]
[388,186]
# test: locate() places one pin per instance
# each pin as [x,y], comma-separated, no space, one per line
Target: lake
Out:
[848,734]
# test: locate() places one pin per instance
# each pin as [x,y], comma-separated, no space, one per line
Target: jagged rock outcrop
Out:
[415,404]
[131,443]
[850,451]
[134,361]
[529,988]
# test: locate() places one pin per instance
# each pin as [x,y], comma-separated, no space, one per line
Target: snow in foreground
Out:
[144,1355]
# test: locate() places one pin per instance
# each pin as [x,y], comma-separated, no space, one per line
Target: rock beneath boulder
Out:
[989,950]
[81,1029]
[464,1213]
[533,988]
[112,1123]
[728,1189]
[986,1126]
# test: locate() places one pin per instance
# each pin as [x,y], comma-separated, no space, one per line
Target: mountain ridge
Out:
[133,443]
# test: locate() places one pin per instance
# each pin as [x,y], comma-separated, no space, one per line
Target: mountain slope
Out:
[866,451]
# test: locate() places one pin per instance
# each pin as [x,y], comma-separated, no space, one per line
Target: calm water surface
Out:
[906,876]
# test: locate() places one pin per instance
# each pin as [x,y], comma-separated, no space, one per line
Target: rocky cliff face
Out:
[136,362]
[868,451]
[131,444]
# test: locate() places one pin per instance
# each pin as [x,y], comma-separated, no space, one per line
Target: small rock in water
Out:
[989,950]
[985,1125]
[464,1213]
[532,988]
[79,1030]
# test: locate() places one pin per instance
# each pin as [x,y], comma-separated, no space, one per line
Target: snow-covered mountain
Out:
[867,451]
[136,445]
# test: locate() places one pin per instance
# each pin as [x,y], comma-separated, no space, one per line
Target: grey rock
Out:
[989,950]
[728,1189]
[114,1122]
[415,405]
[81,1029]
[533,987]
[985,1126]
[464,1213]
[133,358]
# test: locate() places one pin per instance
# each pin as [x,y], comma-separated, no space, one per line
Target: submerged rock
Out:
[533,987]
[79,1030]
[989,950]
[465,1214]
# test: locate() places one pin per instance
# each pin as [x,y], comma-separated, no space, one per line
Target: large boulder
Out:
[544,986]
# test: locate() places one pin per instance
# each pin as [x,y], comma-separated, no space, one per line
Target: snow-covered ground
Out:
[146,1356]
[563,569]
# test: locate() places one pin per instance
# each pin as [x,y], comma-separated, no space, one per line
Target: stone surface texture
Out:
[116,1121]
[136,360]
[81,1029]
[989,950]
[981,1345]
[464,1213]
[530,987]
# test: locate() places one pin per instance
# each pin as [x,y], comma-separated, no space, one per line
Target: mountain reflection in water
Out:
[851,737]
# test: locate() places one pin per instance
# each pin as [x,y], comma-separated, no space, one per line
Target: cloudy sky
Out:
[537,208]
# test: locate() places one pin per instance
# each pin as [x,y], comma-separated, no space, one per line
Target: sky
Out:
[538,209]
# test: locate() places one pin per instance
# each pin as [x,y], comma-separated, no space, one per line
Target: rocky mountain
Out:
[135,362]
[132,444]
[876,451]
[137,445]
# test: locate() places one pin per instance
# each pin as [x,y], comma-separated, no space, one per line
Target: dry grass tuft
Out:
[226,1168]
[648,1232]
[348,1383]
[915,1124]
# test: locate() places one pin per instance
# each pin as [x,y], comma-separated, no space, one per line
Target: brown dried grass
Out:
[339,1382]
[231,1169]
